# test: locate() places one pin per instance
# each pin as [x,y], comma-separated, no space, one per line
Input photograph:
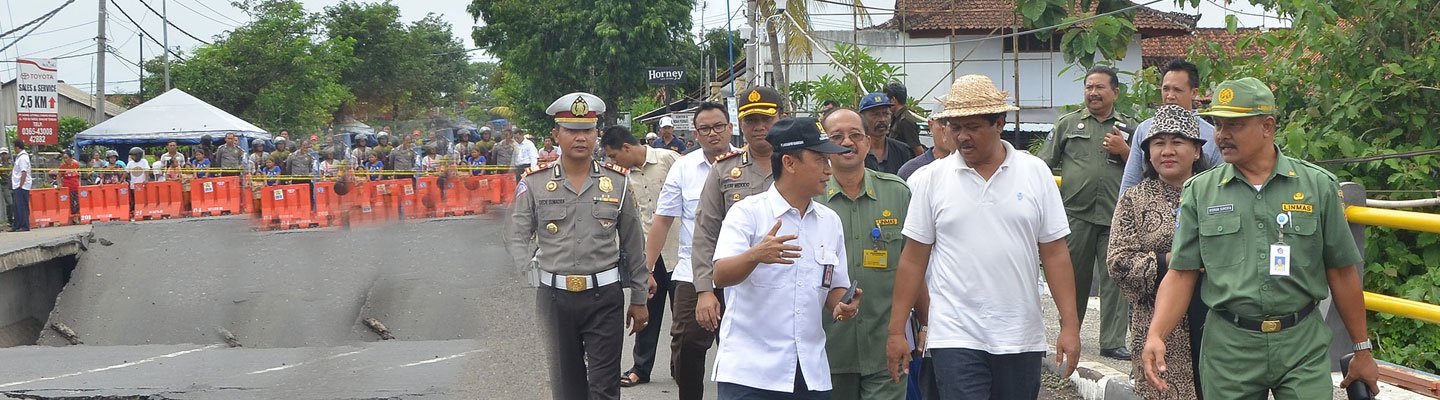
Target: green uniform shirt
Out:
[1227,226]
[1090,183]
[853,346]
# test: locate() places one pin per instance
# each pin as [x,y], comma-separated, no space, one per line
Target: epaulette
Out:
[889,177]
[535,168]
[1322,170]
[618,169]
[729,155]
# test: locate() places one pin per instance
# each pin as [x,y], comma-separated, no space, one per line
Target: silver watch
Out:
[1365,345]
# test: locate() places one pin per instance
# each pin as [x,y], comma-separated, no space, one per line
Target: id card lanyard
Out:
[1280,252]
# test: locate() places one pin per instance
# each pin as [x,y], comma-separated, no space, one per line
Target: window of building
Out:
[1032,44]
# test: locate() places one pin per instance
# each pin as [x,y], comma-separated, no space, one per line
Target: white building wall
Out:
[1045,82]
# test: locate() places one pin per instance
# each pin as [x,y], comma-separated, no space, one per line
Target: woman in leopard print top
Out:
[1140,238]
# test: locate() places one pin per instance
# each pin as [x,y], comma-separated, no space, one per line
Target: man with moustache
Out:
[680,198]
[1087,149]
[886,154]
[987,330]
[1179,85]
[734,177]
[872,207]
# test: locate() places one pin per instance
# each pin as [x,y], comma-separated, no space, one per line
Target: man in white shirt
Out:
[977,227]
[20,181]
[680,198]
[773,345]
[526,154]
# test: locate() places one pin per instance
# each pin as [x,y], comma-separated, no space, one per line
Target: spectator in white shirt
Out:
[139,168]
[977,227]
[773,345]
[526,154]
[20,181]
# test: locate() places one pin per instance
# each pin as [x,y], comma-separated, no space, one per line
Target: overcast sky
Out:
[73,29]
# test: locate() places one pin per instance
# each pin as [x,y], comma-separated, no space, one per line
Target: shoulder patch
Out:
[889,177]
[729,155]
[535,168]
[1322,170]
[616,168]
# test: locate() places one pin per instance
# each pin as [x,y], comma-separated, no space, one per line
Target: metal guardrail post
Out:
[1354,195]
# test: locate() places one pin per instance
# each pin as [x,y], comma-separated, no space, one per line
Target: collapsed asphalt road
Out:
[156,309]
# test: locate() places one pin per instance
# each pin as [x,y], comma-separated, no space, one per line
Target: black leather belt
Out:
[1270,325]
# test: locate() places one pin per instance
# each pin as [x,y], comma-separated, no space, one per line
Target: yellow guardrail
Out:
[1401,307]
[1408,220]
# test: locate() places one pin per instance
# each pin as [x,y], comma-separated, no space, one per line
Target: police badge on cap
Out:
[577,110]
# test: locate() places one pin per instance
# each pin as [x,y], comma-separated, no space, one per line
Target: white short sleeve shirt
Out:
[985,264]
[772,318]
[680,198]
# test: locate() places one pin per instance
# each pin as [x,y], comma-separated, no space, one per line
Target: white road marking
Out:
[116,366]
[285,367]
[449,357]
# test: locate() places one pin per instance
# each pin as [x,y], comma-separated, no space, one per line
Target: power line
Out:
[143,32]
[204,15]
[56,47]
[65,28]
[42,20]
[217,12]
[167,21]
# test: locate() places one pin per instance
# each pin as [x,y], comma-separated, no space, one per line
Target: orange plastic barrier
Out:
[216,196]
[330,207]
[286,207]
[49,207]
[380,201]
[430,195]
[157,200]
[463,196]
[99,203]
[507,189]
[495,189]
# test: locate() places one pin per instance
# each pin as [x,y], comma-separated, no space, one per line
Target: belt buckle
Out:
[1270,326]
[576,283]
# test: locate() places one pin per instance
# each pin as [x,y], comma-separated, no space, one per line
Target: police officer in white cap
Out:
[582,216]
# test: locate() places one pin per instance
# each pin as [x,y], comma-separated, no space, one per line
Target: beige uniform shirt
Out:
[582,230]
[646,182]
[734,177]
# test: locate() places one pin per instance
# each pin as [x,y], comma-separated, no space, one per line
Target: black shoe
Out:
[1118,353]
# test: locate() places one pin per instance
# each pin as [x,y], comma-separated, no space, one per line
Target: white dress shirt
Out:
[985,263]
[680,198]
[772,318]
[526,153]
[22,166]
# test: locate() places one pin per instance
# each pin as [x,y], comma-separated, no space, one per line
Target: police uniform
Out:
[872,224]
[1090,187]
[587,236]
[1265,252]
[733,177]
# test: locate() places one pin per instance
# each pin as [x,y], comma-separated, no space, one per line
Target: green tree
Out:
[69,126]
[550,48]
[402,69]
[275,72]
[844,88]
[718,49]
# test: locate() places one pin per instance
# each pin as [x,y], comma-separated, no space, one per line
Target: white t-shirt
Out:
[985,264]
[138,171]
[526,153]
[680,198]
[770,322]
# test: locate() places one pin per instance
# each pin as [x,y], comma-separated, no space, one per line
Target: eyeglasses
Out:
[712,129]
[856,137]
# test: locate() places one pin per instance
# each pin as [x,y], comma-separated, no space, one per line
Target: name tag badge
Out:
[827,274]
[1220,209]
[877,259]
[1279,260]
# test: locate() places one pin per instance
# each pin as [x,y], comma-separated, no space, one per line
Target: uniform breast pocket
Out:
[1075,143]
[608,216]
[550,217]
[771,276]
[1300,234]
[1221,244]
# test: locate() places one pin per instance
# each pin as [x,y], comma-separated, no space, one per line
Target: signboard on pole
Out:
[683,121]
[664,76]
[37,111]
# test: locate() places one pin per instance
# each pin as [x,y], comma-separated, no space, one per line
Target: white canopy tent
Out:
[175,115]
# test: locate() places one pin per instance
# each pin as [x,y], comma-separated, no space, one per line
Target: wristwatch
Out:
[1365,345]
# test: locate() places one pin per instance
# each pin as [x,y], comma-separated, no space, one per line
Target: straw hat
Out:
[974,95]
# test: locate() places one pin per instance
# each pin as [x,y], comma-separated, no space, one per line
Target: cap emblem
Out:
[754,95]
[1226,96]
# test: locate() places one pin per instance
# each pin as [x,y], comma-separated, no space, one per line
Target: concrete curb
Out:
[1096,381]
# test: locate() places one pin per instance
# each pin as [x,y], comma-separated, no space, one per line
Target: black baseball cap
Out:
[801,133]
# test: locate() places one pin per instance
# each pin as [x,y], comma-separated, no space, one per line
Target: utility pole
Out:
[165,25]
[141,94]
[100,67]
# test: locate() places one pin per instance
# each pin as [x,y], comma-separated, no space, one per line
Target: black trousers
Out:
[584,333]
[649,338]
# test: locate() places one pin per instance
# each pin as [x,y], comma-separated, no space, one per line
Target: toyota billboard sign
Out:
[37,111]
